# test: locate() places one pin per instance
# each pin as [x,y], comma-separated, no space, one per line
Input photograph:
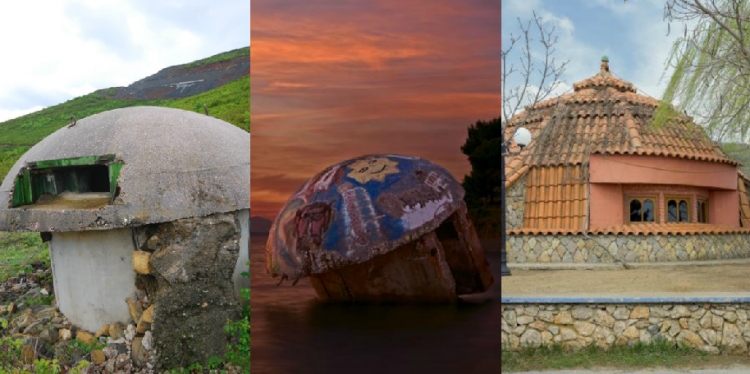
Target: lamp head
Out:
[522,137]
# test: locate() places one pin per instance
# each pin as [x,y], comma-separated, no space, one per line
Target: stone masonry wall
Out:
[514,204]
[704,326]
[626,248]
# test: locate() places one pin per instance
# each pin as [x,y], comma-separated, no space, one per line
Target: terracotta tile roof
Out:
[644,229]
[605,115]
[555,197]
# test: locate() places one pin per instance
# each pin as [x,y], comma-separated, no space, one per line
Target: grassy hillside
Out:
[230,103]
[224,56]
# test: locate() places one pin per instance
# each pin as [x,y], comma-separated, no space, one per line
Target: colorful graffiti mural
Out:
[357,209]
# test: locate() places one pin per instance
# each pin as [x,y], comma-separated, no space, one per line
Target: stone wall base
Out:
[574,326]
[626,248]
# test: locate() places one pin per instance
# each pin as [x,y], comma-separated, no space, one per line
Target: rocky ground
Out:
[178,81]
[27,304]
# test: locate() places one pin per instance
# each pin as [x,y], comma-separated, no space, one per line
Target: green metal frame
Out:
[27,189]
[114,175]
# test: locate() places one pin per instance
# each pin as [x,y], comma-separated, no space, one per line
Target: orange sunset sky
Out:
[335,79]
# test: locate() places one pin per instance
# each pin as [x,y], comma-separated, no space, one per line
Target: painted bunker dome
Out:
[128,167]
[365,208]
[599,166]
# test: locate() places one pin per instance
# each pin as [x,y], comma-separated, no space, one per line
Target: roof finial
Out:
[605,64]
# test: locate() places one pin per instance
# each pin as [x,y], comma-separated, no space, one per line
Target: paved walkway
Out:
[736,369]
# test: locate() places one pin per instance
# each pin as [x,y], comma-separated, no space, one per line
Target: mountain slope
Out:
[229,101]
[189,79]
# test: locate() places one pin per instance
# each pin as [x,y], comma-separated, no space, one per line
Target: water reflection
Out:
[293,333]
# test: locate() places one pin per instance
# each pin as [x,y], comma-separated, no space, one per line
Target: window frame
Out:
[698,201]
[29,184]
[642,199]
[690,206]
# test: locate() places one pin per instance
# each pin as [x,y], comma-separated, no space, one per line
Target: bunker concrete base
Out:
[241,282]
[93,275]
[191,286]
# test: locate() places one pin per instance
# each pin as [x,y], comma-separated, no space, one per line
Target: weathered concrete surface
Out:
[178,164]
[191,286]
[93,275]
[241,282]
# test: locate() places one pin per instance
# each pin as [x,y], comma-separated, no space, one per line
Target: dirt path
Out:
[679,279]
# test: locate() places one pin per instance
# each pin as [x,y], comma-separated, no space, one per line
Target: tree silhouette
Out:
[483,148]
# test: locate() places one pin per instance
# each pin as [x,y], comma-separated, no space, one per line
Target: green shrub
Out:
[11,361]
[239,353]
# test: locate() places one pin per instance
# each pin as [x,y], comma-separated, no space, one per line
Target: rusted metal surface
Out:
[415,272]
[177,164]
[436,267]
[464,253]
[358,209]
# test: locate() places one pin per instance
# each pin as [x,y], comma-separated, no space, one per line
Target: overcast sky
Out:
[55,50]
[632,34]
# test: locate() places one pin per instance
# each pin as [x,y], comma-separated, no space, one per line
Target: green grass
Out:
[658,354]
[18,251]
[8,156]
[224,56]
[30,129]
[230,103]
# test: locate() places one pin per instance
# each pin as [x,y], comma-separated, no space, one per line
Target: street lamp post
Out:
[522,137]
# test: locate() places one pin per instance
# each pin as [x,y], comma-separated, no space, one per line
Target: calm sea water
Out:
[293,333]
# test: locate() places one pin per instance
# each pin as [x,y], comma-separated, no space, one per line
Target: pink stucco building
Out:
[600,183]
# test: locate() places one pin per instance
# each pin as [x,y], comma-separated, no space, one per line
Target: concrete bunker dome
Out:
[173,164]
[146,211]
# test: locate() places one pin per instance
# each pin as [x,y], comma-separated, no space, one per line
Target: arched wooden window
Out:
[678,209]
[642,209]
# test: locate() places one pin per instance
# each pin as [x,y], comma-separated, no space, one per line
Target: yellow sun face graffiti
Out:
[370,169]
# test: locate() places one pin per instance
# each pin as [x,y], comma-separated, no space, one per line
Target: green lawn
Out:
[660,354]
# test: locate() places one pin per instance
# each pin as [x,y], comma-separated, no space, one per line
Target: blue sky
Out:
[632,34]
